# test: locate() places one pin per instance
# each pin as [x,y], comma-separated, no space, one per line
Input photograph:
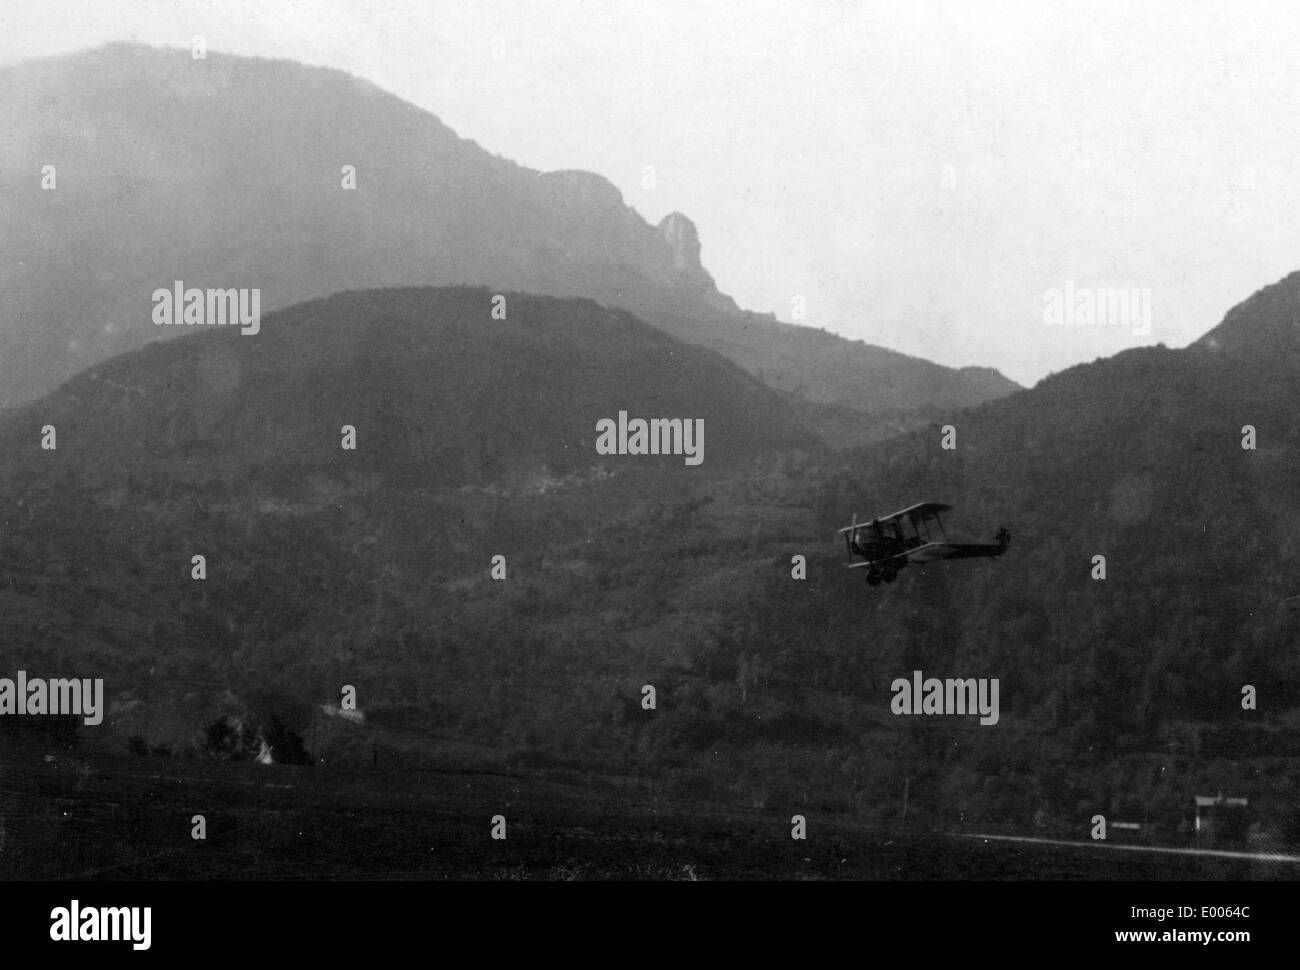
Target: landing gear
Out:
[877,576]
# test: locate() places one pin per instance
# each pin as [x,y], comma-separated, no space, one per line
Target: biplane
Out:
[911,537]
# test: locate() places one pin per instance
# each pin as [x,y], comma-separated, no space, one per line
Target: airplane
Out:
[913,536]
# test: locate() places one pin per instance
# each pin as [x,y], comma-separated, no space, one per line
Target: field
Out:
[122,818]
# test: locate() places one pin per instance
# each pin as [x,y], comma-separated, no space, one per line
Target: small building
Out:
[1219,817]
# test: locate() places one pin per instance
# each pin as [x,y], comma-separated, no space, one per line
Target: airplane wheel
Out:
[873,579]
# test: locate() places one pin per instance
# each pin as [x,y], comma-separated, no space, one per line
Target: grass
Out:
[122,818]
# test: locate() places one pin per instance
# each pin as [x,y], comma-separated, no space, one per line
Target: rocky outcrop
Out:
[684,243]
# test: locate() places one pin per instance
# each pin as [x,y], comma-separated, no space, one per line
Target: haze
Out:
[919,177]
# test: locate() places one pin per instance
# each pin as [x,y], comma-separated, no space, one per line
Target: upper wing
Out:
[918,511]
[911,513]
[856,525]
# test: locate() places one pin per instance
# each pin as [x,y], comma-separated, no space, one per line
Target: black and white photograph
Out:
[743,442]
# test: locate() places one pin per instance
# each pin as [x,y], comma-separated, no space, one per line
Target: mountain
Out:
[1136,679]
[474,438]
[1264,327]
[229,172]
[439,393]
[1120,695]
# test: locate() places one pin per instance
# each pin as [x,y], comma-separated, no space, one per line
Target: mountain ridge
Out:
[227,171]
[508,396]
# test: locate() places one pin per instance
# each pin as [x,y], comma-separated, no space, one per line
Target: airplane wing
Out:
[932,551]
[918,511]
[911,513]
[935,551]
[898,558]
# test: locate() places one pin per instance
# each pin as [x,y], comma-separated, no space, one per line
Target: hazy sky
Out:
[922,174]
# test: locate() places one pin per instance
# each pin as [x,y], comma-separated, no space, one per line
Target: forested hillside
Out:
[325,568]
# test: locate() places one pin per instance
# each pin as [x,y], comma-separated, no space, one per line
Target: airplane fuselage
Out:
[875,550]
[914,536]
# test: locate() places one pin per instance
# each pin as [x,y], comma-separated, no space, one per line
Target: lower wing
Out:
[932,551]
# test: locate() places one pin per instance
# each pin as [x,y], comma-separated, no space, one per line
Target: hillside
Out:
[474,438]
[440,394]
[1134,681]
[1120,696]
[1263,327]
[251,196]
